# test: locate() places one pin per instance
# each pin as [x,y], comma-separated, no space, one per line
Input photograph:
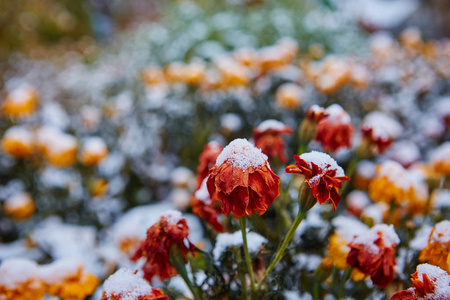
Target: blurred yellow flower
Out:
[437,252]
[20,103]
[20,206]
[58,148]
[18,142]
[94,151]
[289,96]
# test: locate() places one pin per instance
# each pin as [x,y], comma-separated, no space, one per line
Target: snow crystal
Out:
[225,240]
[14,271]
[323,161]
[270,124]
[130,286]
[172,216]
[243,155]
[441,232]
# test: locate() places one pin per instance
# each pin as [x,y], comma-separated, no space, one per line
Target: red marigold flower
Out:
[335,131]
[373,253]
[268,138]
[429,282]
[204,207]
[315,113]
[170,230]
[242,180]
[323,175]
[124,284]
[207,160]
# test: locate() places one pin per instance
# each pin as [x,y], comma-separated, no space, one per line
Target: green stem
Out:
[302,148]
[391,212]
[177,261]
[300,216]
[242,222]
[241,275]
[347,273]
[316,290]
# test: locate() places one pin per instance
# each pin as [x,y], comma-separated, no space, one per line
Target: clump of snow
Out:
[21,95]
[405,152]
[126,284]
[441,154]
[323,161]
[60,269]
[243,155]
[231,122]
[271,125]
[172,216]
[202,193]
[357,200]
[336,114]
[14,271]
[441,281]
[382,125]
[349,227]
[420,241]
[366,169]
[182,177]
[375,212]
[19,132]
[441,233]
[441,199]
[396,174]
[225,240]
[386,232]
[95,145]
[18,200]
[55,140]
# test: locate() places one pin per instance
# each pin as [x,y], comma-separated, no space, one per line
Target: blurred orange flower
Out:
[268,137]
[437,252]
[20,103]
[20,206]
[18,142]
[335,131]
[242,180]
[322,174]
[373,254]
[170,231]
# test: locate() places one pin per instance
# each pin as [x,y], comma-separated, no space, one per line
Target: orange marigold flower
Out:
[289,96]
[67,279]
[124,284]
[242,180]
[20,103]
[204,207]
[207,160]
[440,159]
[322,174]
[336,130]
[268,137]
[429,283]
[373,253]
[437,252]
[58,148]
[20,206]
[393,183]
[18,142]
[19,280]
[94,151]
[171,230]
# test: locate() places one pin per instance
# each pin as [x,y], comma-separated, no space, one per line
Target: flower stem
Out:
[346,276]
[177,261]
[242,222]
[300,216]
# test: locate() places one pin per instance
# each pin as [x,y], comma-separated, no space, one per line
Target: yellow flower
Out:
[58,148]
[94,151]
[99,187]
[18,142]
[289,96]
[437,252]
[393,183]
[440,159]
[20,206]
[19,280]
[20,103]
[67,279]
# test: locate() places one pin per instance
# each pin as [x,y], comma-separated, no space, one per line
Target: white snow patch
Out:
[225,240]
[243,155]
